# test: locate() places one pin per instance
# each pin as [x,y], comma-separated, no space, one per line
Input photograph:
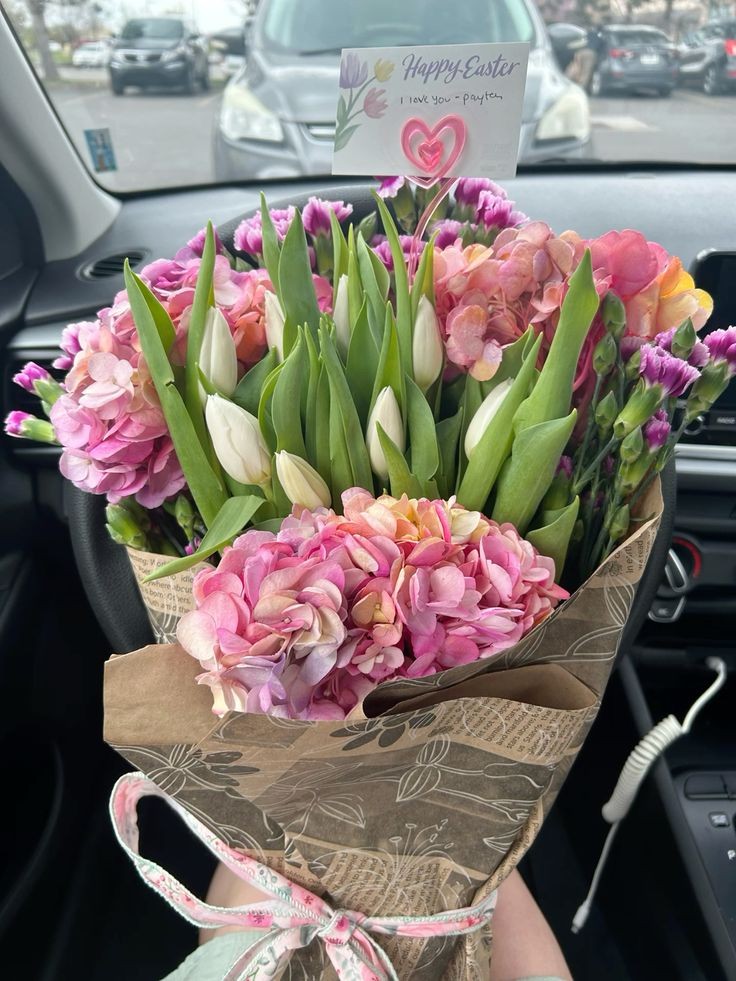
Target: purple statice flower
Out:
[29,375]
[659,367]
[70,345]
[657,431]
[564,467]
[469,189]
[495,211]
[353,72]
[448,232]
[16,422]
[248,235]
[698,357]
[195,247]
[383,250]
[721,346]
[389,187]
[316,215]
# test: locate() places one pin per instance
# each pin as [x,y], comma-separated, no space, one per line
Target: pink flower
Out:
[657,431]
[389,187]
[374,105]
[16,422]
[70,345]
[658,367]
[304,623]
[29,375]
[247,317]
[470,343]
[469,189]
[248,235]
[316,215]
[721,345]
[380,246]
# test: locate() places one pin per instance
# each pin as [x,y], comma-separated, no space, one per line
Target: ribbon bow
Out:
[292,918]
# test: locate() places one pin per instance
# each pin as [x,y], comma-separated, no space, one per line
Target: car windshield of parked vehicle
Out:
[163,93]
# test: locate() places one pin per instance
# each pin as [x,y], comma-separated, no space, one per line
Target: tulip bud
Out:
[387,413]
[218,361]
[604,354]
[275,322]
[613,314]
[341,316]
[301,482]
[428,351]
[238,443]
[485,413]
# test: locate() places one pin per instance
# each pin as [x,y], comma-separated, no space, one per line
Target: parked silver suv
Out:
[277,117]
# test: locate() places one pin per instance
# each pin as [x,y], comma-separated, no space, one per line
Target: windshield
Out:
[154,28]
[304,29]
[165,93]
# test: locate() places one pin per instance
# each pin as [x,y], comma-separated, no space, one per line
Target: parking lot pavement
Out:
[164,139]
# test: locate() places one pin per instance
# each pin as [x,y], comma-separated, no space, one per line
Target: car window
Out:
[160,93]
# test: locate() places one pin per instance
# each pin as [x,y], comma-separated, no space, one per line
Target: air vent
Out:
[112,265]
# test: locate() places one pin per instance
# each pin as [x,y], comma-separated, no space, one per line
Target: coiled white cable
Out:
[636,767]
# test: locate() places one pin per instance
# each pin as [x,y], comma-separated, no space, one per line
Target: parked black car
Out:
[633,58]
[708,57]
[158,51]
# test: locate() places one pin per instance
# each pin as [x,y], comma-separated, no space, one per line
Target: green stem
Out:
[588,428]
[590,472]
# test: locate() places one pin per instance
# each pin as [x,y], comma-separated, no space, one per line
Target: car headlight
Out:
[567,119]
[243,117]
[173,53]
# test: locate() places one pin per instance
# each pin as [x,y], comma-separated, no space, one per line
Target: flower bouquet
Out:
[402,490]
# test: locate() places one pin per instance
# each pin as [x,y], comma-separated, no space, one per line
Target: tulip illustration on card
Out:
[431,112]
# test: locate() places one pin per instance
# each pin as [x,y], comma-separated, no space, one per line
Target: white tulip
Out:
[275,321]
[428,351]
[301,482]
[217,358]
[341,316]
[482,418]
[386,411]
[239,445]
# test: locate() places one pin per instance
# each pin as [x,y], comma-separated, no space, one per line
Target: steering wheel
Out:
[104,568]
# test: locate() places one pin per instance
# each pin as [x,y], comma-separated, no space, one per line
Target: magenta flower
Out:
[353,72]
[721,346]
[380,246]
[195,247]
[658,367]
[657,431]
[469,189]
[248,236]
[16,422]
[374,105]
[389,187]
[29,375]
[496,212]
[565,466]
[316,215]
[699,355]
[448,232]
[70,344]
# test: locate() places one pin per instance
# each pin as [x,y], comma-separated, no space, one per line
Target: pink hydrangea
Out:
[305,622]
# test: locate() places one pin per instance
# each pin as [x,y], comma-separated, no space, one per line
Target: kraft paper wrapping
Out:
[423,803]
[166,600]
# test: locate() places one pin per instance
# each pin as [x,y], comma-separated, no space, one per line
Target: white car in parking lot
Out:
[91,54]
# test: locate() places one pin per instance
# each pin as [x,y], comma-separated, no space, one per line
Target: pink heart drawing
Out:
[424,148]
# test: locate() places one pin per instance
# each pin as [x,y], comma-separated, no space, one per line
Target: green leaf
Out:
[472,401]
[362,364]
[513,358]
[495,444]
[271,247]
[423,284]
[287,398]
[265,420]
[231,519]
[296,287]
[195,334]
[322,427]
[552,394]
[161,318]
[404,321]
[402,480]
[248,393]
[355,284]
[342,398]
[207,490]
[529,471]
[342,111]
[341,471]
[390,371]
[425,454]
[373,290]
[339,252]
[553,538]
[448,437]
[343,136]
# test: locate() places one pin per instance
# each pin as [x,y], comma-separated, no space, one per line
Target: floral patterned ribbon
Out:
[292,918]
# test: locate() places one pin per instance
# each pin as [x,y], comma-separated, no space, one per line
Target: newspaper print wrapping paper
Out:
[421,802]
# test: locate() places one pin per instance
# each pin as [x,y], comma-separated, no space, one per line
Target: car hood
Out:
[148,44]
[303,89]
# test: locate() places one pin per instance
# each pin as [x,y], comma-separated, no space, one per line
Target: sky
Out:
[207,15]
